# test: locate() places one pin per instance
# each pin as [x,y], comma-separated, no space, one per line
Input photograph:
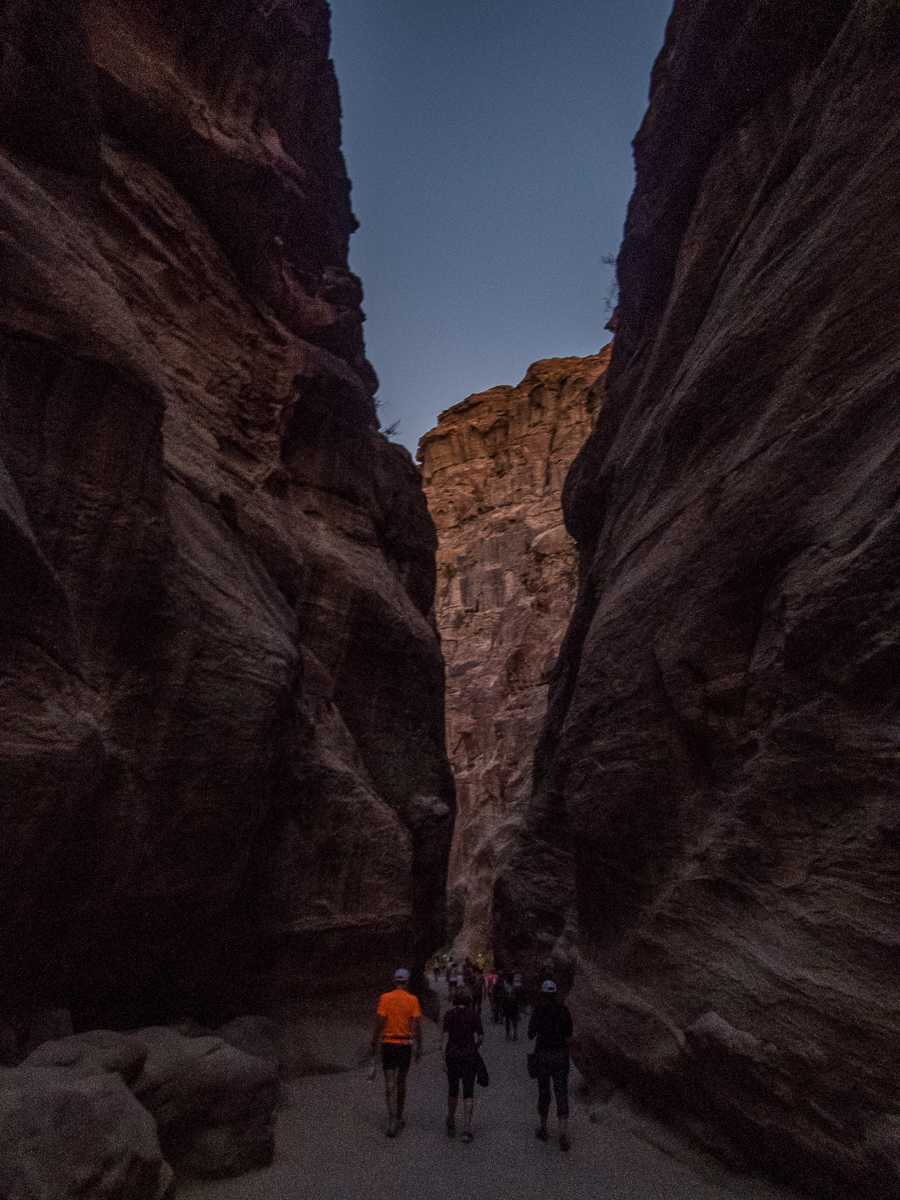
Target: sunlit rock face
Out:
[221,737]
[493,469]
[712,848]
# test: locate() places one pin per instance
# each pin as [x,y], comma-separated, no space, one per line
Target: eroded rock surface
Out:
[493,469]
[221,699]
[108,1115]
[70,1133]
[213,1104]
[712,848]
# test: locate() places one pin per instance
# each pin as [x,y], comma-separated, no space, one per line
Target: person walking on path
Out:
[492,988]
[510,1008]
[463,1034]
[519,989]
[477,988]
[398,1026]
[551,1024]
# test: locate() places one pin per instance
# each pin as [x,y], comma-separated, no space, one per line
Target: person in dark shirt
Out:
[551,1025]
[463,1034]
[496,996]
[477,988]
[511,996]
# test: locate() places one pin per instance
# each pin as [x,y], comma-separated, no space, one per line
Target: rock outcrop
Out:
[221,694]
[711,851]
[77,1133]
[109,1115]
[493,469]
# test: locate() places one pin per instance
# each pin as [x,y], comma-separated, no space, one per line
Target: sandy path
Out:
[331,1145]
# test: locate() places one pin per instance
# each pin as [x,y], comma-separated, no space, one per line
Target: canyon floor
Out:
[331,1145]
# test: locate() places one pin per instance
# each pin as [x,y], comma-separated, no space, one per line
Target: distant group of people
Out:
[504,991]
[469,975]
[398,1031]
[507,1001]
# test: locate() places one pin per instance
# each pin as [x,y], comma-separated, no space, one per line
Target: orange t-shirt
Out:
[398,1008]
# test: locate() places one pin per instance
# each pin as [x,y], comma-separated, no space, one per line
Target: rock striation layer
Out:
[221,695]
[493,470]
[711,851]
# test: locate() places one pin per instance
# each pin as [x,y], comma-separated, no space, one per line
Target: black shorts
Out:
[396,1056]
[553,1066]
[461,1071]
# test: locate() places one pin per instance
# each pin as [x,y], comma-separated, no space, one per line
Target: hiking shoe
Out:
[451,1127]
[541,1133]
[564,1143]
[466,1135]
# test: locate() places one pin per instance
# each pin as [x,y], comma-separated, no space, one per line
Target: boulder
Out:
[97,1050]
[260,1036]
[214,1105]
[47,1025]
[67,1134]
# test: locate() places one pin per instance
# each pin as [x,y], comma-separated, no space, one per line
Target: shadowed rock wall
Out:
[712,848]
[221,694]
[493,470]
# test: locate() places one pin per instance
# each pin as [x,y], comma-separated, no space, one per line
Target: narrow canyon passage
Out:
[609,688]
[331,1145]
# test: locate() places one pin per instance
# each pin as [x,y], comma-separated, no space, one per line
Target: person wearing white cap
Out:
[398,1024]
[551,1024]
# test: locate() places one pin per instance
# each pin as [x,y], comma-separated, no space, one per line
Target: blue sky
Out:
[489,145]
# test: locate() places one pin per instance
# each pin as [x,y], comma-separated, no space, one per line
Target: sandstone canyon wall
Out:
[493,470]
[221,693]
[712,848]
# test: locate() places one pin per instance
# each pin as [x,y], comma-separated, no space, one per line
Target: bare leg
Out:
[468,1106]
[390,1092]
[401,1093]
[451,1108]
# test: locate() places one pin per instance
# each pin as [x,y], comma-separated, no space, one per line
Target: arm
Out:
[416,1025]
[377,1030]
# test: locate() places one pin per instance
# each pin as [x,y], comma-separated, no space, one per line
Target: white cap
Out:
[548,986]
[401,973]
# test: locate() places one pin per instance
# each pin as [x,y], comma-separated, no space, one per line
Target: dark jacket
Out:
[551,1024]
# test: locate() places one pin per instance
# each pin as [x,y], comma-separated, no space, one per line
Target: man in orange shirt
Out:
[398,1024]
